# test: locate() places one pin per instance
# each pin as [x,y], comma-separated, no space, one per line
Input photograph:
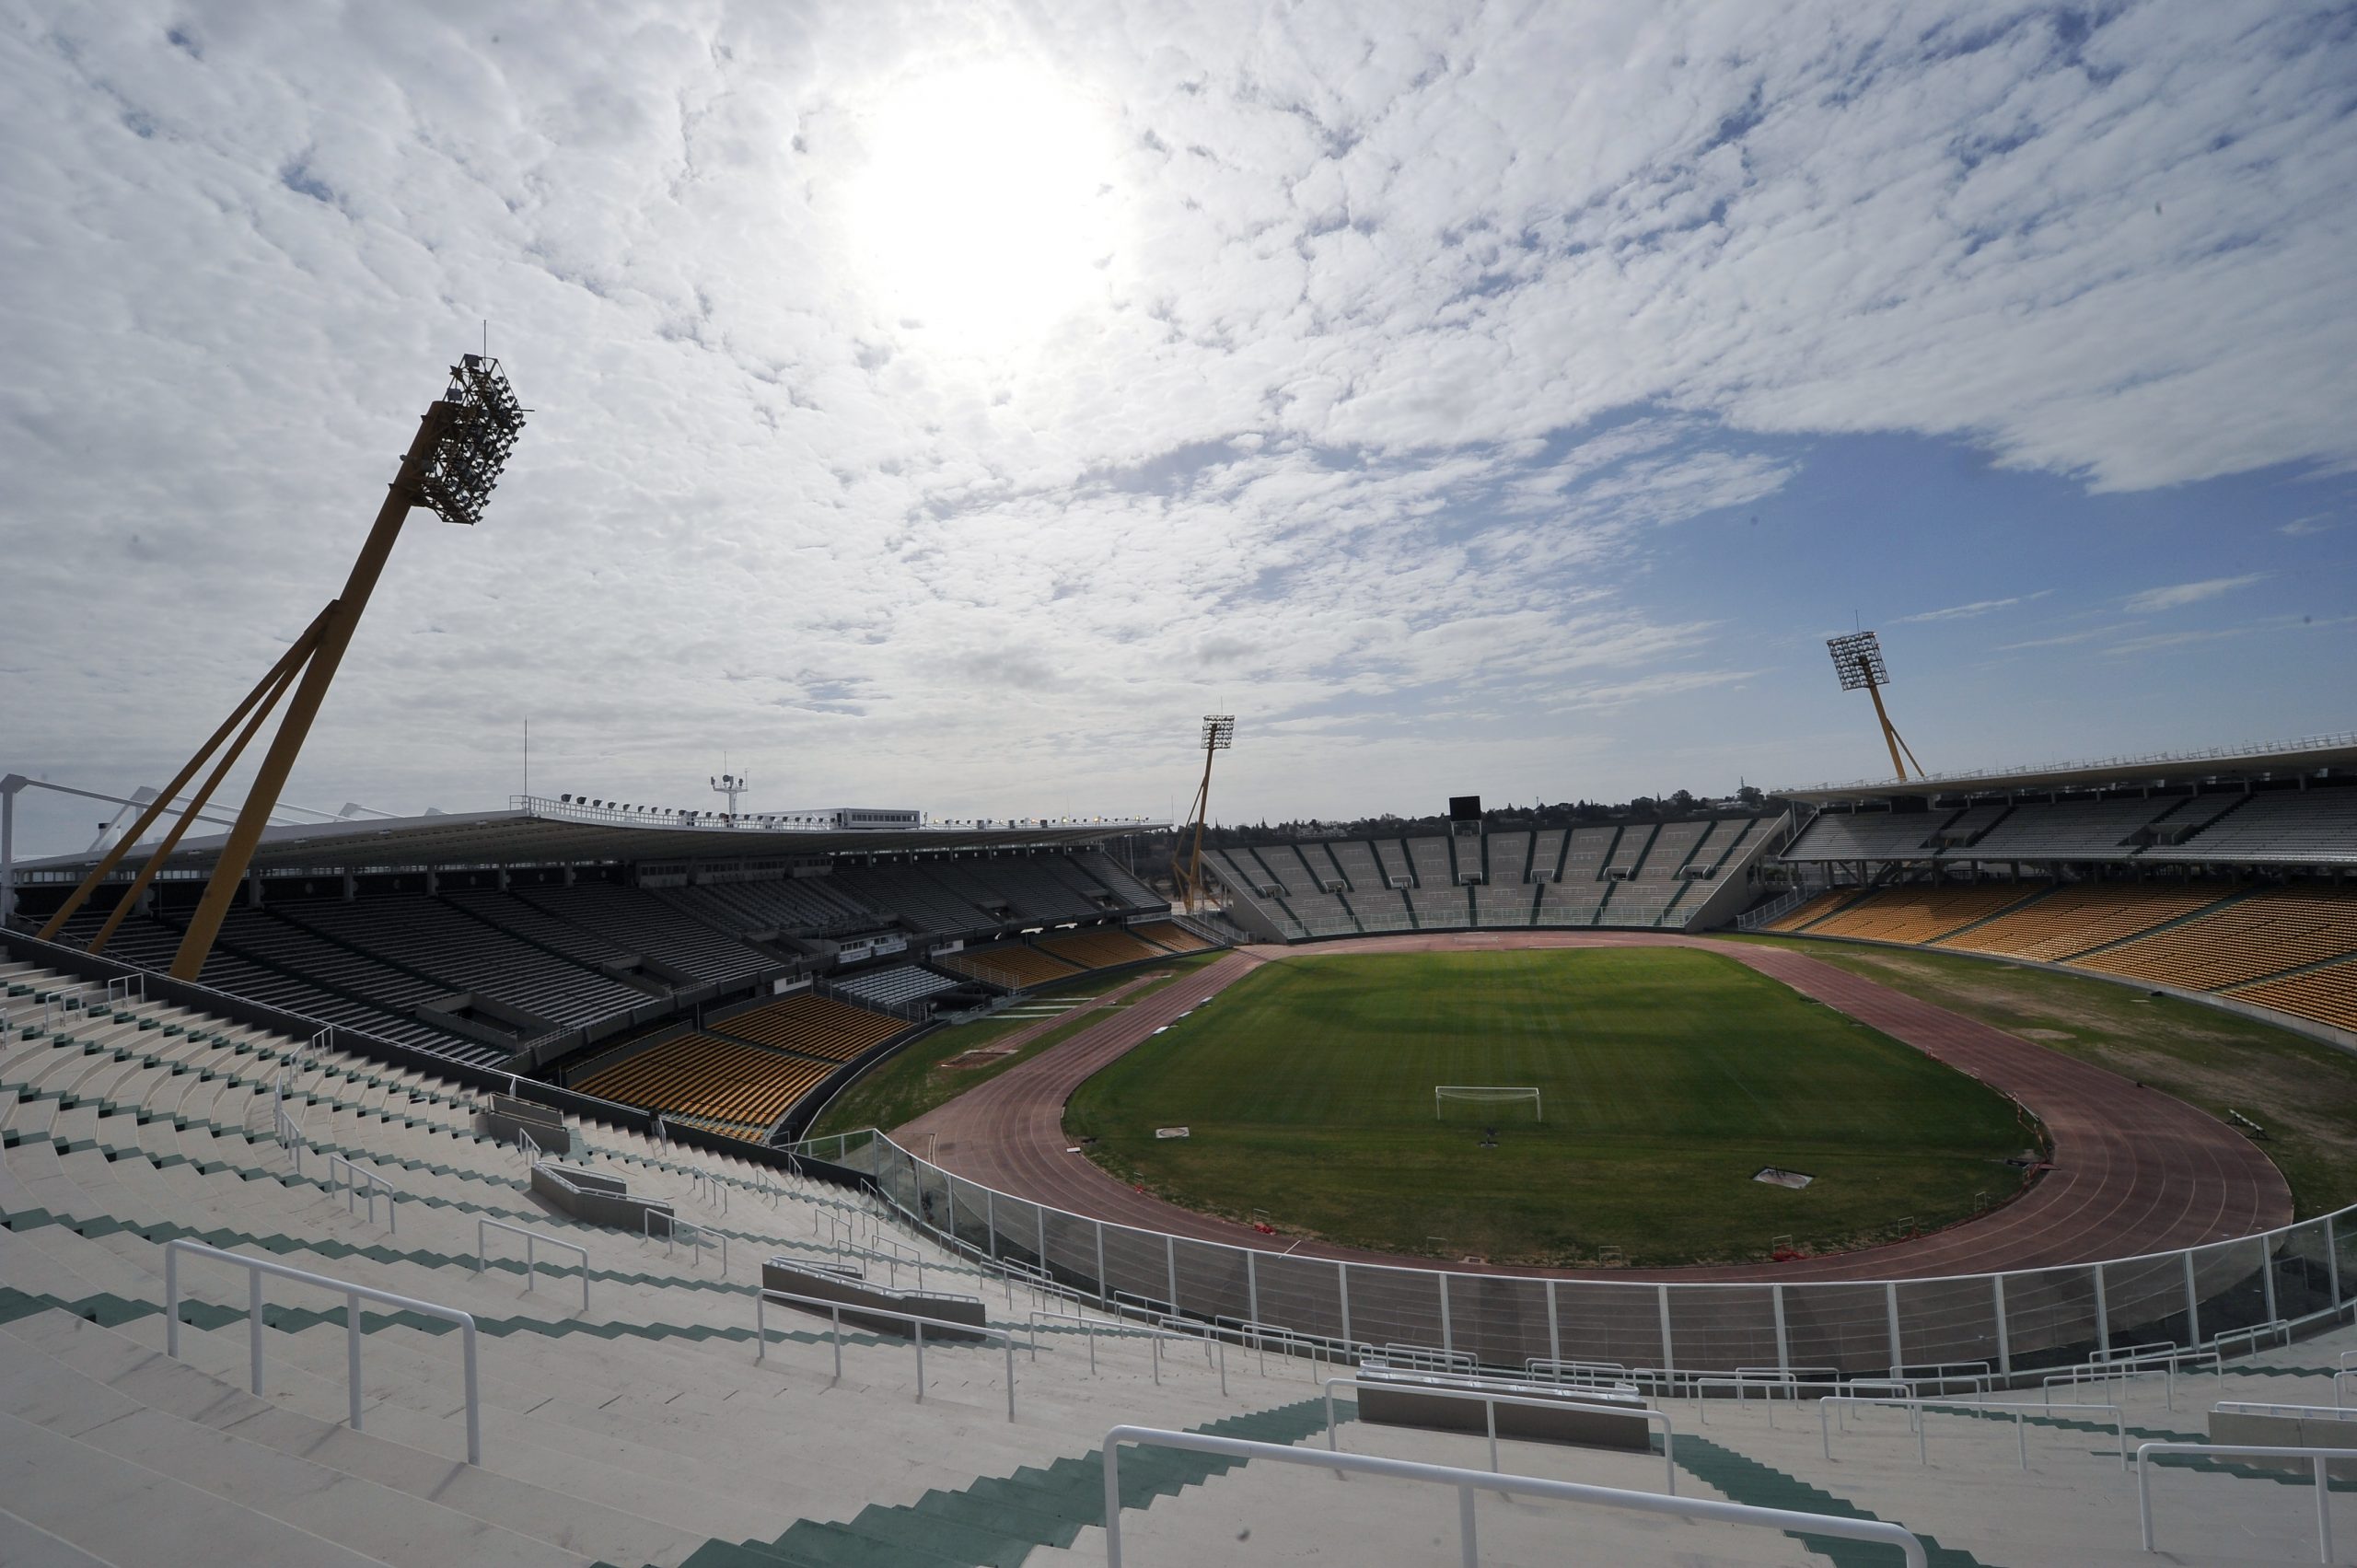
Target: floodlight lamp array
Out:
[1857,659]
[481,422]
[1219,731]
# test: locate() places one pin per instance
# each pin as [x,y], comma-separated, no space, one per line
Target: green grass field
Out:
[1670,1078]
[2302,1092]
[919,1078]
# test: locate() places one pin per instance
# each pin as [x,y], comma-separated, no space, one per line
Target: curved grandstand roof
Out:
[542,832]
[2313,757]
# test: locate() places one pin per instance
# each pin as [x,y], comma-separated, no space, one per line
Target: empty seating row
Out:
[2328,994]
[2291,947]
[636,918]
[1012,964]
[2264,934]
[1816,909]
[1921,913]
[2316,826]
[703,1075]
[2047,831]
[2089,915]
[456,946]
[1100,949]
[813,1025]
[898,983]
[151,943]
[1171,935]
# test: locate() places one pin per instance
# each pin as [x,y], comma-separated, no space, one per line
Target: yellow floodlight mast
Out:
[451,467]
[1219,734]
[1857,660]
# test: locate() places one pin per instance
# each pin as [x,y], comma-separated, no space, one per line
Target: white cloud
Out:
[2178,595]
[1298,433]
[2313,523]
[1966,611]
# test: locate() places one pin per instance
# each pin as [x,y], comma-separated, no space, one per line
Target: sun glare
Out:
[983,213]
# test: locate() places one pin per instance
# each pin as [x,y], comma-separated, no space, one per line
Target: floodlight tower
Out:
[452,465]
[1219,735]
[1857,660]
[732,786]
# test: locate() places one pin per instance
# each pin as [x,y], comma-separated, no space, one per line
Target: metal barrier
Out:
[1921,1408]
[1974,1375]
[531,1239]
[1158,1337]
[2318,1457]
[285,1127]
[698,1237]
[2250,1336]
[1468,1482]
[356,1181]
[353,1294]
[1491,1400]
[2260,1407]
[2167,1363]
[2020,1323]
[917,1320]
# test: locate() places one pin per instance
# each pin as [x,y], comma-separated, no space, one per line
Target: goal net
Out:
[1488,1097]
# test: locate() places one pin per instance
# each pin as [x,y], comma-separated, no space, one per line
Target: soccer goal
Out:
[1484,1095]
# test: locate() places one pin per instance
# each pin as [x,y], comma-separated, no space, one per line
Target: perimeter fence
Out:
[2018,1323]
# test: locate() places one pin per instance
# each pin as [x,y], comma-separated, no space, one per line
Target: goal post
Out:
[1485,1095]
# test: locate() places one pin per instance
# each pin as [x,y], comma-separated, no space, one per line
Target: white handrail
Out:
[285,1127]
[1491,1401]
[2242,1451]
[2272,1326]
[353,1295]
[485,1225]
[917,1320]
[1157,1337]
[698,1237]
[2167,1363]
[1468,1482]
[2260,1407]
[1924,1407]
[354,1179]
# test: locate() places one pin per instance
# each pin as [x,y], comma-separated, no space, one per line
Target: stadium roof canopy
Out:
[2317,757]
[540,832]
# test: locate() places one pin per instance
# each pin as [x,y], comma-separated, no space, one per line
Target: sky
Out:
[948,405]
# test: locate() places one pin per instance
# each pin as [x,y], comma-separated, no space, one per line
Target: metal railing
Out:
[285,1127]
[532,1238]
[1468,1483]
[2143,1363]
[353,1294]
[2317,1457]
[1157,1338]
[1491,1400]
[2023,1323]
[357,1181]
[917,1322]
[2261,1407]
[697,1235]
[1919,1409]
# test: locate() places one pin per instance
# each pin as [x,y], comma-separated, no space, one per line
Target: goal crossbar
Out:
[1487,1094]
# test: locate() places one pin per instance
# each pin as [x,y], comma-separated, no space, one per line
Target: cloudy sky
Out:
[948,405]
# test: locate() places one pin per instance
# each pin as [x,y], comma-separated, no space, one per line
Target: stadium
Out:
[1952,1166]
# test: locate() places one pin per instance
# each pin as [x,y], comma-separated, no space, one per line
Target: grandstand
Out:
[2223,876]
[1678,876]
[625,1417]
[584,943]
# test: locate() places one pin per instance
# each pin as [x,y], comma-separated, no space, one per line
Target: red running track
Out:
[2134,1171]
